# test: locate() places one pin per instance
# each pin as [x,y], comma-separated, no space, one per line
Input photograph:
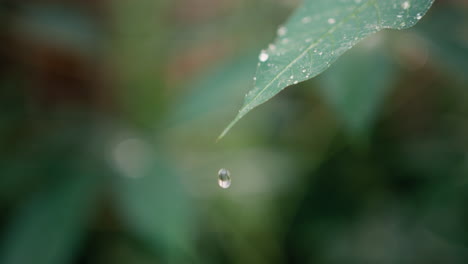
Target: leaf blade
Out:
[301,52]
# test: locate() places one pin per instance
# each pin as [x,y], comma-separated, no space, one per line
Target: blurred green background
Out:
[110,111]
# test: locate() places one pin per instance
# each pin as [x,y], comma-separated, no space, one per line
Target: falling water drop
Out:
[224,178]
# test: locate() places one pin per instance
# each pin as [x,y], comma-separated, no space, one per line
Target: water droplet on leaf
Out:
[405,5]
[306,19]
[331,21]
[263,56]
[282,31]
[224,178]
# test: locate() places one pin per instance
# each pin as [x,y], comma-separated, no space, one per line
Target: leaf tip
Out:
[221,136]
[226,130]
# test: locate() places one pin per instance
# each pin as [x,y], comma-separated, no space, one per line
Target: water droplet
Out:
[295,82]
[304,70]
[399,16]
[282,31]
[263,56]
[254,78]
[405,5]
[306,19]
[418,16]
[224,178]
[291,77]
[331,21]
[320,53]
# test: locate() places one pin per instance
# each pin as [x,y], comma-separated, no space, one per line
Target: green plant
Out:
[316,35]
[110,109]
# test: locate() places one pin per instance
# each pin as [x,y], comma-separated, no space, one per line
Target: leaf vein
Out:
[357,10]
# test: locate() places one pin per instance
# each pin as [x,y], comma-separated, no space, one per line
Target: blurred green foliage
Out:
[110,111]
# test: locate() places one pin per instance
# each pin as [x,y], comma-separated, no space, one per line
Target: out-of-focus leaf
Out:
[445,214]
[447,39]
[155,206]
[48,227]
[29,160]
[139,54]
[62,26]
[208,94]
[356,85]
[317,34]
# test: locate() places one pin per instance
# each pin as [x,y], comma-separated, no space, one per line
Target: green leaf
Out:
[207,97]
[58,25]
[48,228]
[317,34]
[154,205]
[139,53]
[445,40]
[44,151]
[355,93]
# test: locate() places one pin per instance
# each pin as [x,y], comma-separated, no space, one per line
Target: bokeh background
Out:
[110,111]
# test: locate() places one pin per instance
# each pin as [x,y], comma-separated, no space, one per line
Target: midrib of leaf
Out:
[356,11]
